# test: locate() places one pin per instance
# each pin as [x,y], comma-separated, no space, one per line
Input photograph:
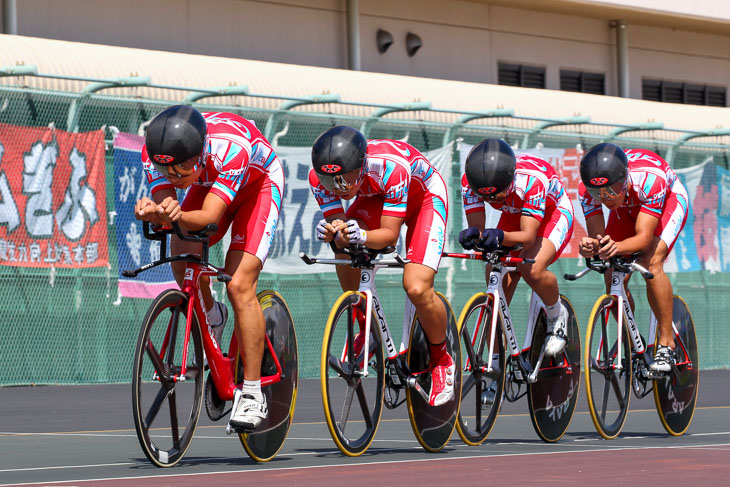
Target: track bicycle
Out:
[169,368]
[617,358]
[496,368]
[378,380]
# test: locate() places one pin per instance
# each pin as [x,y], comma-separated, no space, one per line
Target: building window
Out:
[583,82]
[688,93]
[518,75]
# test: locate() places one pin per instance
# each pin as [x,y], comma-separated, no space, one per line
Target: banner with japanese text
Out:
[52,198]
[133,250]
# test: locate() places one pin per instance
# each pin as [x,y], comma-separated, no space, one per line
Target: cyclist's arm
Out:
[213,209]
[595,225]
[526,234]
[645,226]
[386,235]
[476,219]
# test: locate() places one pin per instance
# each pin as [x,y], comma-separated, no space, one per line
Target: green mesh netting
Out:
[67,325]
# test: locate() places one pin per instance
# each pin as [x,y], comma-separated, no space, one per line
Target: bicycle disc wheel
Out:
[265,442]
[676,396]
[481,391]
[552,398]
[166,408]
[433,426]
[352,403]
[607,387]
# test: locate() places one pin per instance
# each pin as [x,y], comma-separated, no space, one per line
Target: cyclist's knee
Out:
[241,294]
[419,292]
[533,273]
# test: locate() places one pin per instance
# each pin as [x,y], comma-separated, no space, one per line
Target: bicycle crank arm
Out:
[236,398]
[412,383]
[532,378]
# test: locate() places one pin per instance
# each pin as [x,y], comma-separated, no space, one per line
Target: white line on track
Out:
[350,464]
[65,466]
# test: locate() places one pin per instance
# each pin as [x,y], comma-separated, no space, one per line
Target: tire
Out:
[676,396]
[608,389]
[265,442]
[433,426]
[162,404]
[552,398]
[351,428]
[481,391]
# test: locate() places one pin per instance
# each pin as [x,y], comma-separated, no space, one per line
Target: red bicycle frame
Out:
[221,365]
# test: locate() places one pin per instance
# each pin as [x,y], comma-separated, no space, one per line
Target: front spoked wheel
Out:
[281,393]
[433,425]
[675,396]
[481,389]
[552,398]
[608,386]
[167,405]
[352,403]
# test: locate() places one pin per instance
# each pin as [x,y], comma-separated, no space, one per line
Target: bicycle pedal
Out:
[655,375]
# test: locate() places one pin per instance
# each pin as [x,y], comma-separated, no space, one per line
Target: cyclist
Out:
[648,207]
[392,183]
[234,179]
[536,212]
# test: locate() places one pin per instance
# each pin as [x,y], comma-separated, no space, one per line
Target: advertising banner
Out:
[133,250]
[52,198]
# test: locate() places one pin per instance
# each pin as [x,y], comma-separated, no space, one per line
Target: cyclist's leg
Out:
[253,229]
[426,221]
[537,275]
[659,290]
[552,237]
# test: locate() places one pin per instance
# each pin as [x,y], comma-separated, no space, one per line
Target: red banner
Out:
[52,198]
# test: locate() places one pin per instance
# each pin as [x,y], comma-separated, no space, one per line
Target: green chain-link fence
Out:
[68,325]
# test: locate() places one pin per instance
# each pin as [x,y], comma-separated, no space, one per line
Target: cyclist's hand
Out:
[588,247]
[353,234]
[169,210]
[145,210]
[491,239]
[608,249]
[468,237]
[326,231]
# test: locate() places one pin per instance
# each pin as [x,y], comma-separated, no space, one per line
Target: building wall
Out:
[462,40]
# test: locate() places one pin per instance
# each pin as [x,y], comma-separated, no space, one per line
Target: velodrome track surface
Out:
[84,435]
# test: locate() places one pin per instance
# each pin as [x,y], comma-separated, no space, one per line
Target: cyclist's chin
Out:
[613,205]
[349,195]
[183,183]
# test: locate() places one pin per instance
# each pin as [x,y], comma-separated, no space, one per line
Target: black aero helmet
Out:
[603,165]
[490,167]
[175,135]
[339,150]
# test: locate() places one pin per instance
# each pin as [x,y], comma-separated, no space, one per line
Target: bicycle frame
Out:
[367,287]
[619,273]
[501,266]
[221,365]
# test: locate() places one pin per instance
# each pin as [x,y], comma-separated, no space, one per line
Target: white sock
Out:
[553,311]
[253,387]
[215,317]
